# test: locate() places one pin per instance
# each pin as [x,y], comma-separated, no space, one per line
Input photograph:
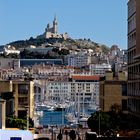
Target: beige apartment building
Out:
[23,98]
[7,94]
[19,96]
[134,57]
[6,107]
[113,90]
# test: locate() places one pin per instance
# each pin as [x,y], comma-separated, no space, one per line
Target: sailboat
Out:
[71,114]
[84,117]
[93,105]
[93,108]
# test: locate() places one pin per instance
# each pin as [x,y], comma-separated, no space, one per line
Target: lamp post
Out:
[78,111]
[3,103]
[27,117]
[99,121]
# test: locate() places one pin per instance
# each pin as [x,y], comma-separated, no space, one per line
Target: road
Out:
[53,134]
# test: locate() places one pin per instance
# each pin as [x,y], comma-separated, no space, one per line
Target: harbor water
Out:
[55,118]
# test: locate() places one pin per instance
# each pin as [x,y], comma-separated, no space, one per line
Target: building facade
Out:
[134,57]
[6,93]
[78,60]
[99,69]
[58,90]
[6,101]
[8,63]
[23,98]
[86,88]
[113,90]
[83,88]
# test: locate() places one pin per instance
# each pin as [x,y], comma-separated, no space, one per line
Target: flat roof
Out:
[80,77]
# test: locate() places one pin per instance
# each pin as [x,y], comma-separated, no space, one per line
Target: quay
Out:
[51,134]
[46,134]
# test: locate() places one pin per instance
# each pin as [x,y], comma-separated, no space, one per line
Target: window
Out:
[23,89]
[23,100]
[9,64]
[124,104]
[15,138]
[124,89]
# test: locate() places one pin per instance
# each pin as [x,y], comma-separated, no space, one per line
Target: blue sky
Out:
[103,21]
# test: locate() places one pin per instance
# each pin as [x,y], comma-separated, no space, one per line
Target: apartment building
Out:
[78,60]
[18,97]
[8,63]
[23,98]
[6,93]
[85,88]
[58,90]
[134,57]
[6,101]
[113,90]
[99,69]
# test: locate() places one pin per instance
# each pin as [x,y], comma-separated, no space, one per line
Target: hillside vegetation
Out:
[71,44]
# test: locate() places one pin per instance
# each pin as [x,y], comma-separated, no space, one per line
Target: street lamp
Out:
[99,121]
[27,117]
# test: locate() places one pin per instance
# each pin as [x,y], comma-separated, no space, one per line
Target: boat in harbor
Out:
[61,106]
[71,118]
[93,108]
[93,105]
[51,109]
[41,106]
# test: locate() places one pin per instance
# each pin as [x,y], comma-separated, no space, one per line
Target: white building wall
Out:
[78,60]
[71,90]
[39,90]
[99,69]
[86,90]
[57,90]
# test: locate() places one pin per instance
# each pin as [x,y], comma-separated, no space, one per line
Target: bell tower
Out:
[55,25]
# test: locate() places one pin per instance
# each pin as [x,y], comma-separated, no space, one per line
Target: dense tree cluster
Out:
[21,123]
[114,120]
[34,55]
[35,41]
[26,54]
[11,55]
[68,44]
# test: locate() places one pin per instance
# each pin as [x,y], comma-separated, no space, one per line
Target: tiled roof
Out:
[78,77]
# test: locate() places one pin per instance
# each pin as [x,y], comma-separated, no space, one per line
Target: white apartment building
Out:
[78,60]
[84,88]
[52,70]
[85,91]
[99,69]
[57,90]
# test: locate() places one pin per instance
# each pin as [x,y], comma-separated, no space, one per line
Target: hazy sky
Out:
[103,21]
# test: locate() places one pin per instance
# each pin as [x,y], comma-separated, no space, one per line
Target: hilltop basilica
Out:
[52,31]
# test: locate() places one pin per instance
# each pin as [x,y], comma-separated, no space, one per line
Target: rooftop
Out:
[75,77]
